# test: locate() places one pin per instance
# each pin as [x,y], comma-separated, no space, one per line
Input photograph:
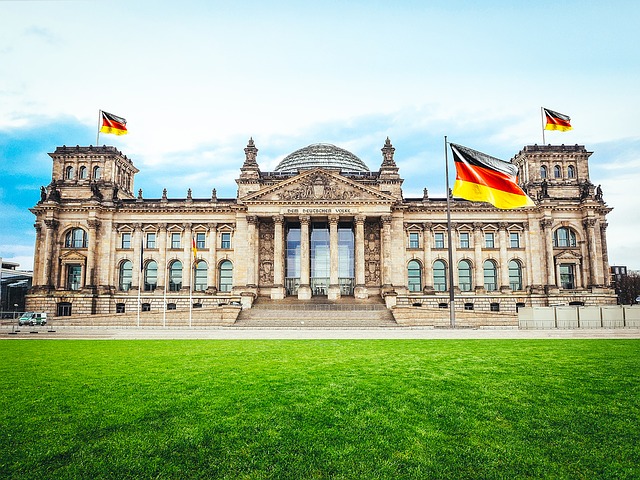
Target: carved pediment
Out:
[568,255]
[73,257]
[318,185]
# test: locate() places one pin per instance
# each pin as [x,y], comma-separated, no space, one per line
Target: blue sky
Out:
[196,79]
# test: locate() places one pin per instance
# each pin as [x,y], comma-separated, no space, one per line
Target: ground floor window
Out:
[175,276]
[64,309]
[74,274]
[226,276]
[146,307]
[567,276]
[494,307]
[200,276]
[126,271]
[439,276]
[120,308]
[415,276]
[171,306]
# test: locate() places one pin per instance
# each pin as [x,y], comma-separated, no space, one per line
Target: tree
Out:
[628,289]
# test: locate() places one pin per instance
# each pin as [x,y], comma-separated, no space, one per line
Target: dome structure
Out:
[322,155]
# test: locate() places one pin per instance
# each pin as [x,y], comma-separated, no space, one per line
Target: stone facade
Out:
[334,230]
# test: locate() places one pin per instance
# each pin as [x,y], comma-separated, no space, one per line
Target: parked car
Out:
[33,318]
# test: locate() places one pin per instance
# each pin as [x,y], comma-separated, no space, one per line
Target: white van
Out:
[33,318]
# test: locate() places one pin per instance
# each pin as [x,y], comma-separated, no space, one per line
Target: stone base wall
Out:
[439,317]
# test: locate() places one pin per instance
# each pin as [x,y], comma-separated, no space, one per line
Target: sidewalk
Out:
[244,333]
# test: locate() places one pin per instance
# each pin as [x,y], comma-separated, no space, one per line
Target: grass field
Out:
[303,409]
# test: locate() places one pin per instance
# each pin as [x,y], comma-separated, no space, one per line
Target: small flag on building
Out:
[482,178]
[194,247]
[557,121]
[113,124]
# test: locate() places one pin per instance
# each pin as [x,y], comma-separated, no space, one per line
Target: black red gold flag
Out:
[113,124]
[557,121]
[482,178]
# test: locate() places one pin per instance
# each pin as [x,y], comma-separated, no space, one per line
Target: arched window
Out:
[76,238]
[225,276]
[70,173]
[83,172]
[571,171]
[175,276]
[414,272]
[150,276]
[564,237]
[515,275]
[557,172]
[200,276]
[126,272]
[97,173]
[490,276]
[543,172]
[464,275]
[439,276]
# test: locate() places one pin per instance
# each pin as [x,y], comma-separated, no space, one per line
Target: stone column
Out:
[304,290]
[162,257]
[478,267]
[427,244]
[90,275]
[136,276]
[360,290]
[278,292]
[187,257]
[594,254]
[386,253]
[212,258]
[546,225]
[504,258]
[252,249]
[334,286]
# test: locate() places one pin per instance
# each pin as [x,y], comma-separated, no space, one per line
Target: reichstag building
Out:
[322,225]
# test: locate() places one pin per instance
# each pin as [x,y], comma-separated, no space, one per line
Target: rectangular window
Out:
[489,240]
[514,239]
[414,240]
[464,240]
[439,239]
[126,240]
[200,240]
[74,273]
[151,240]
[175,240]
[225,240]
[567,277]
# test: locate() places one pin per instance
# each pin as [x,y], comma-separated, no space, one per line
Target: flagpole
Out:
[452,313]
[98,134]
[542,117]
[191,296]
[139,289]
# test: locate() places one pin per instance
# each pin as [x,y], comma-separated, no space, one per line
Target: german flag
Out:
[113,124]
[557,121]
[482,178]
[194,248]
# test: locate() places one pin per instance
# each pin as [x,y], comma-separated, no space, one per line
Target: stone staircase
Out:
[317,313]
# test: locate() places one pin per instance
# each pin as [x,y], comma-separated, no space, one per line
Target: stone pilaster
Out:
[605,254]
[504,258]
[386,253]
[94,229]
[427,245]
[252,249]
[162,260]
[594,253]
[49,238]
[546,225]
[136,277]
[477,257]
[212,258]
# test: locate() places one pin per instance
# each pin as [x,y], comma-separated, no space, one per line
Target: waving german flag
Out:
[113,124]
[557,121]
[482,178]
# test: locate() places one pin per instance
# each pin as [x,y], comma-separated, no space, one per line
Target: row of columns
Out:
[304,289]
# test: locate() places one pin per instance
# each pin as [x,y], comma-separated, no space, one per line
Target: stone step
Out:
[284,317]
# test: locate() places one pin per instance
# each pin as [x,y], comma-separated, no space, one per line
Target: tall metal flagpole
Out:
[164,296]
[452,312]
[191,295]
[542,117]
[98,135]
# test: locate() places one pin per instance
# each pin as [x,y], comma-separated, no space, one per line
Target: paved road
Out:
[235,333]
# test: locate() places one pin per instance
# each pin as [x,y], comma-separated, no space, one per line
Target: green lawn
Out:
[338,409]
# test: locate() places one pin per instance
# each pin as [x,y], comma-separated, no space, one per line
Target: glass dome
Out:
[322,155]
